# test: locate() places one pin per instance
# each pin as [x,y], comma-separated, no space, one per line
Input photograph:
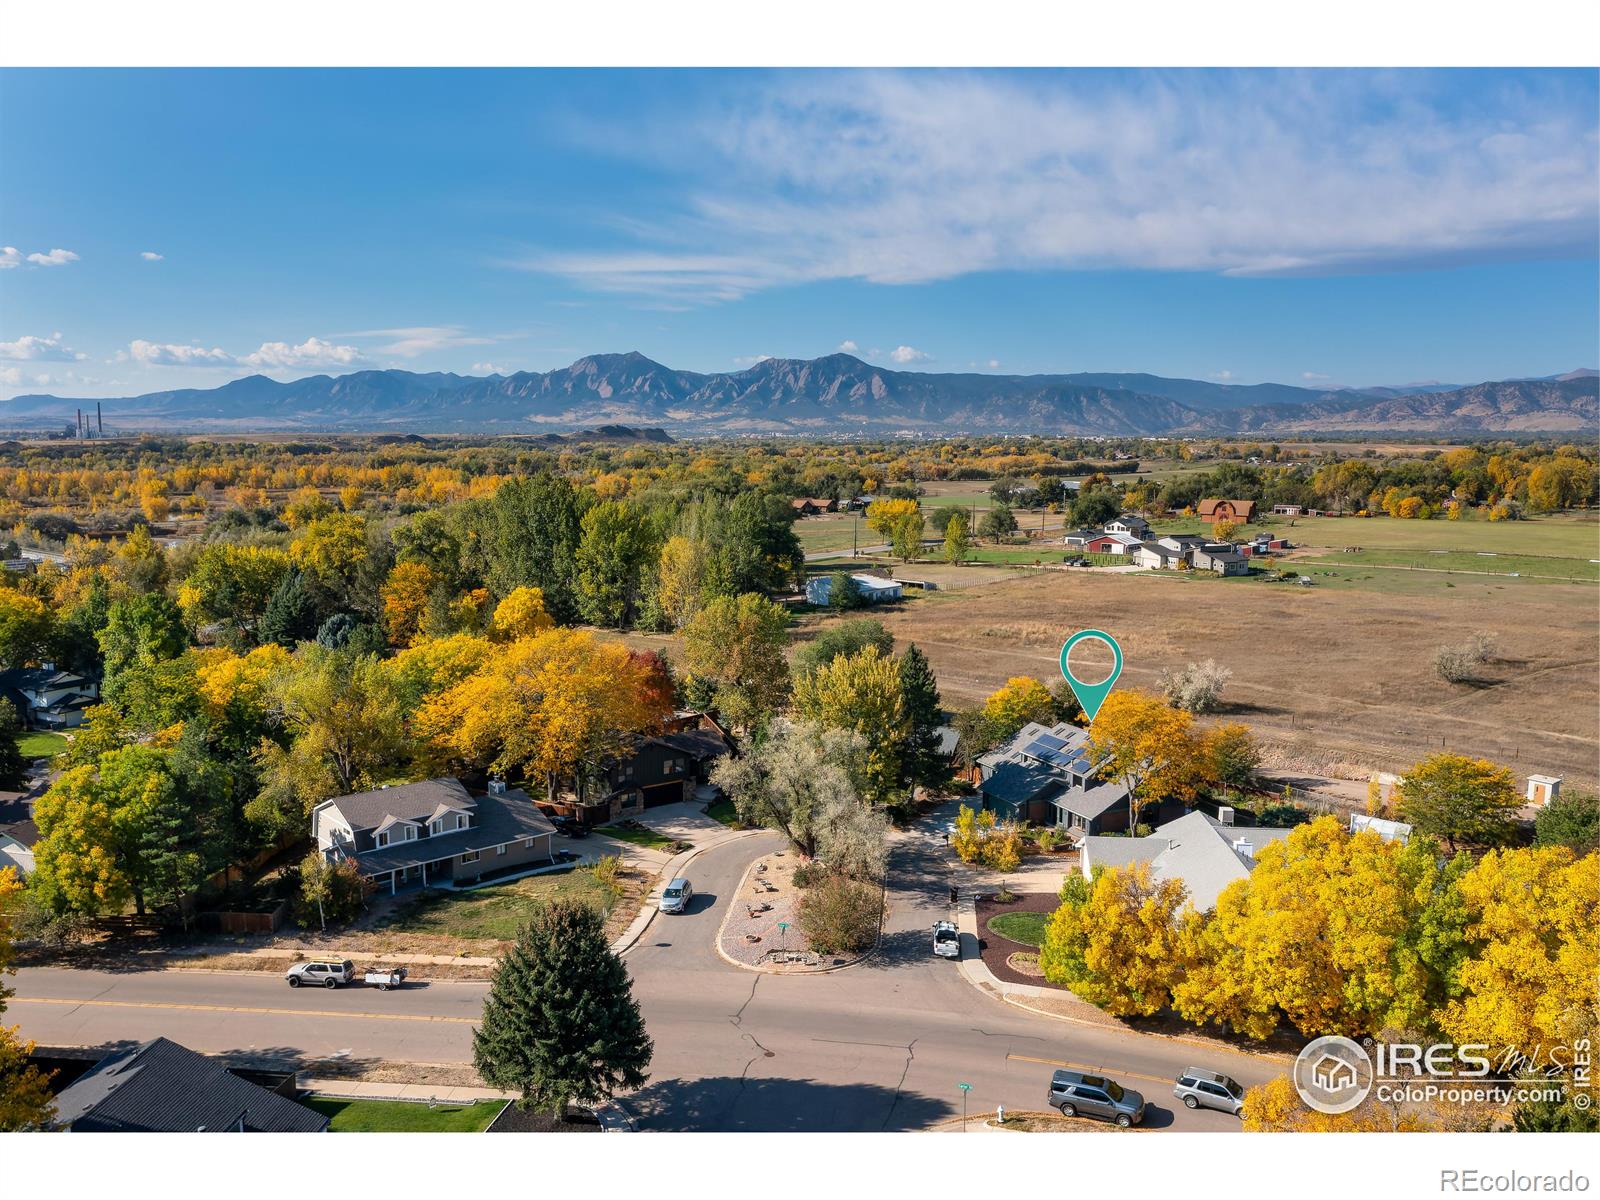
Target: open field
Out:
[1326,675]
[492,913]
[1567,535]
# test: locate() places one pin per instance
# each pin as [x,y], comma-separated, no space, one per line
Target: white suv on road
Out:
[327,974]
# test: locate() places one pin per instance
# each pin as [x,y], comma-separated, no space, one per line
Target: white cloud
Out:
[1222,376]
[750,360]
[411,340]
[38,349]
[489,368]
[994,364]
[151,256]
[313,352]
[156,354]
[848,347]
[55,258]
[912,177]
[16,377]
[908,354]
[1314,377]
[10,257]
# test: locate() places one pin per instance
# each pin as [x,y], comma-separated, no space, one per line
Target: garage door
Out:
[663,793]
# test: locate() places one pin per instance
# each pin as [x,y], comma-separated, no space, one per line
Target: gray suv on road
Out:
[1208,1089]
[1075,1094]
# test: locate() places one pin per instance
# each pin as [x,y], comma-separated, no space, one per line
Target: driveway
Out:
[685,821]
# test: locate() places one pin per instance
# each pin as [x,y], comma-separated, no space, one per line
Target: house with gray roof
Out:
[162,1087]
[433,833]
[1199,851]
[1045,776]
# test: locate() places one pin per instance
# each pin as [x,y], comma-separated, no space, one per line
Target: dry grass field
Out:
[1330,678]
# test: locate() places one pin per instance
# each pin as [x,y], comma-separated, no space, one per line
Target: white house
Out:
[1203,853]
[1129,523]
[874,589]
[46,698]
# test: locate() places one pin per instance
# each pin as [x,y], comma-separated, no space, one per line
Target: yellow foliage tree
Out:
[884,516]
[224,678]
[432,665]
[405,600]
[1530,982]
[861,692]
[1121,948]
[1275,1107]
[520,615]
[331,547]
[1021,700]
[548,705]
[25,1101]
[1150,747]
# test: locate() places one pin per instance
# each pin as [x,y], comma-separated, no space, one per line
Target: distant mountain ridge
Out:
[835,394]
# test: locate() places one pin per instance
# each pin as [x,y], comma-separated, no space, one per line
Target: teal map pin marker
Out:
[1091,695]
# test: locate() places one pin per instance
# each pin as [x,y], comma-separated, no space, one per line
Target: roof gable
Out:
[405,802]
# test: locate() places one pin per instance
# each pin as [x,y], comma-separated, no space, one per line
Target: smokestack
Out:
[80,422]
[99,419]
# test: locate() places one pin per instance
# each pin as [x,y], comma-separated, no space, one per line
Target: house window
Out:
[411,833]
[471,856]
[382,839]
[529,844]
[499,850]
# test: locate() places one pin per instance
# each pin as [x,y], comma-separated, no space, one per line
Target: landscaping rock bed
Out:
[997,950]
[767,897]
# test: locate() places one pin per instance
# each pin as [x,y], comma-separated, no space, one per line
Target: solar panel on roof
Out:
[1049,740]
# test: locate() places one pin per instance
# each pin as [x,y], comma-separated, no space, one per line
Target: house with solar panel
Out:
[1044,776]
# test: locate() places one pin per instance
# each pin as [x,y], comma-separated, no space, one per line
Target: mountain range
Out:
[836,394]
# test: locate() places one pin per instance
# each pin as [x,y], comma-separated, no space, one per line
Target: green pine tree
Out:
[560,1024]
[920,690]
[13,768]
[292,613]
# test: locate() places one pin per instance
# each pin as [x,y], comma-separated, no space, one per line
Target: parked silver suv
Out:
[1208,1089]
[675,896]
[326,974]
[1075,1093]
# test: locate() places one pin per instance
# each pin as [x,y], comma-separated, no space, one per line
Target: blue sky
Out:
[179,228]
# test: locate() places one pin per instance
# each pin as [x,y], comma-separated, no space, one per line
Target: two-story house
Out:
[46,698]
[664,769]
[1129,523]
[1044,776]
[433,832]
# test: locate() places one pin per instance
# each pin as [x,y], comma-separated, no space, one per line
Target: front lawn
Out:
[499,910]
[402,1116]
[39,743]
[1026,928]
[724,811]
[640,836]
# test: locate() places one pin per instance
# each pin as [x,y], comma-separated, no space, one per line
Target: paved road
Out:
[881,1045]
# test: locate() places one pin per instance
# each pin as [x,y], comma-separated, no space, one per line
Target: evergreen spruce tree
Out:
[13,768]
[921,695]
[292,613]
[560,1024]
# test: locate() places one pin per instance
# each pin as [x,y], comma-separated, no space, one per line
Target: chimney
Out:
[497,787]
[1225,814]
[1243,847]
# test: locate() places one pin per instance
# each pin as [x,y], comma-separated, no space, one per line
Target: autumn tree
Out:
[1572,820]
[520,615]
[861,692]
[333,549]
[841,638]
[1147,746]
[345,719]
[885,516]
[139,634]
[530,532]
[906,537]
[680,578]
[25,1093]
[552,706]
[406,594]
[1021,700]
[1120,948]
[1460,800]
[232,585]
[734,647]
[1534,955]
[26,629]
[1232,756]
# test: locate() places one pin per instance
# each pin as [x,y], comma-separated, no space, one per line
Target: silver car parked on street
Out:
[1209,1089]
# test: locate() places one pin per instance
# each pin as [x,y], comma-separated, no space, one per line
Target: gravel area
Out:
[766,898]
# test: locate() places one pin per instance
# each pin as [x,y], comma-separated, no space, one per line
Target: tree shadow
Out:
[727,1104]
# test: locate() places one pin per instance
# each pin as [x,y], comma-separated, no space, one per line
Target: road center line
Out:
[235,1008]
[1056,1062]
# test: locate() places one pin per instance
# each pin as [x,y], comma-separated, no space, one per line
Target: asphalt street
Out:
[882,1045]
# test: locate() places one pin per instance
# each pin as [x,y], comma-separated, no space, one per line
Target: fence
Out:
[258,920]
